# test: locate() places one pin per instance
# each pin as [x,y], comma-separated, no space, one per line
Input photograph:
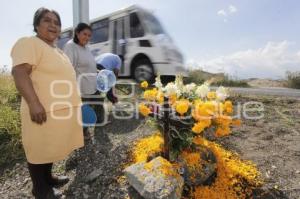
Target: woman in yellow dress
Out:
[51,104]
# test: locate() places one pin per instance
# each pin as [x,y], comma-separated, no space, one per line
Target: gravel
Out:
[96,170]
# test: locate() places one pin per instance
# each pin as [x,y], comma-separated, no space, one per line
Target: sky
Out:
[243,38]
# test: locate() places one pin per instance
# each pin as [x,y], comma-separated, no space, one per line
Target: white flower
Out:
[222,93]
[179,82]
[189,88]
[158,83]
[202,90]
[171,89]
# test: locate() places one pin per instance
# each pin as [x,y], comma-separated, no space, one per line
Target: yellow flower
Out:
[211,95]
[210,107]
[224,120]
[160,97]
[144,110]
[228,106]
[198,127]
[204,110]
[192,159]
[144,84]
[236,122]
[182,106]
[172,99]
[222,131]
[150,95]
[206,122]
[198,102]
[197,140]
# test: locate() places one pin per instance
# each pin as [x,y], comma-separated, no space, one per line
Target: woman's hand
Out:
[37,112]
[21,74]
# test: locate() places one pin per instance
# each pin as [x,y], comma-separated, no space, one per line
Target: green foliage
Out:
[182,139]
[10,136]
[293,79]
[8,91]
[228,82]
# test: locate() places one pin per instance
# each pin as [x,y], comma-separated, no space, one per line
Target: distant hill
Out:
[216,79]
[255,82]
[200,76]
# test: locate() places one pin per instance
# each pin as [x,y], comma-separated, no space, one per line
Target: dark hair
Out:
[80,27]
[38,15]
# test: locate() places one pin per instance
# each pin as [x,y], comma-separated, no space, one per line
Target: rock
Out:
[85,196]
[95,174]
[86,188]
[157,179]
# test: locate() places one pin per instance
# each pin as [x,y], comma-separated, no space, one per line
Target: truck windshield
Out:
[153,24]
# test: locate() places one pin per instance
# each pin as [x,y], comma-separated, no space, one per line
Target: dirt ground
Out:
[267,83]
[272,142]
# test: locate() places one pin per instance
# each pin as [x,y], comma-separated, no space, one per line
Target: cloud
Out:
[232,9]
[270,61]
[222,13]
[225,13]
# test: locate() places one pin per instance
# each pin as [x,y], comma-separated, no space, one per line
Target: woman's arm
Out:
[24,85]
[70,52]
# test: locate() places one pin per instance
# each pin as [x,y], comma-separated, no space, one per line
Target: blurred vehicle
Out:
[137,36]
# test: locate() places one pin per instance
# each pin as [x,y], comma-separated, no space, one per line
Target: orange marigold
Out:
[144,110]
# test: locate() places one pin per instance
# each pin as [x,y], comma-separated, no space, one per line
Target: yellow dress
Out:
[54,81]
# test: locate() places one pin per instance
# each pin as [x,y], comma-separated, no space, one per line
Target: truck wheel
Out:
[143,71]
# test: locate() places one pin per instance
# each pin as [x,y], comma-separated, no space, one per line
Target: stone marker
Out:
[157,179]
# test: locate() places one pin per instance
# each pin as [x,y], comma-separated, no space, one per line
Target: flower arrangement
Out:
[184,112]
[189,117]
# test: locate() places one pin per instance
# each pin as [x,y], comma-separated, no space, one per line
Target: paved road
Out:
[288,92]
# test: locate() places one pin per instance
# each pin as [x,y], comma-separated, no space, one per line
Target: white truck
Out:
[137,36]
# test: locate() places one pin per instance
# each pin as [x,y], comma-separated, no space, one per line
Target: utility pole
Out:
[80,12]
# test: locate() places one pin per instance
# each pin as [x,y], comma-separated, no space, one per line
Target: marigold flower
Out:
[182,106]
[150,94]
[198,127]
[236,122]
[198,102]
[206,122]
[144,110]
[172,99]
[160,97]
[224,120]
[211,95]
[210,106]
[144,84]
[228,106]
[197,140]
[220,132]
[192,159]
